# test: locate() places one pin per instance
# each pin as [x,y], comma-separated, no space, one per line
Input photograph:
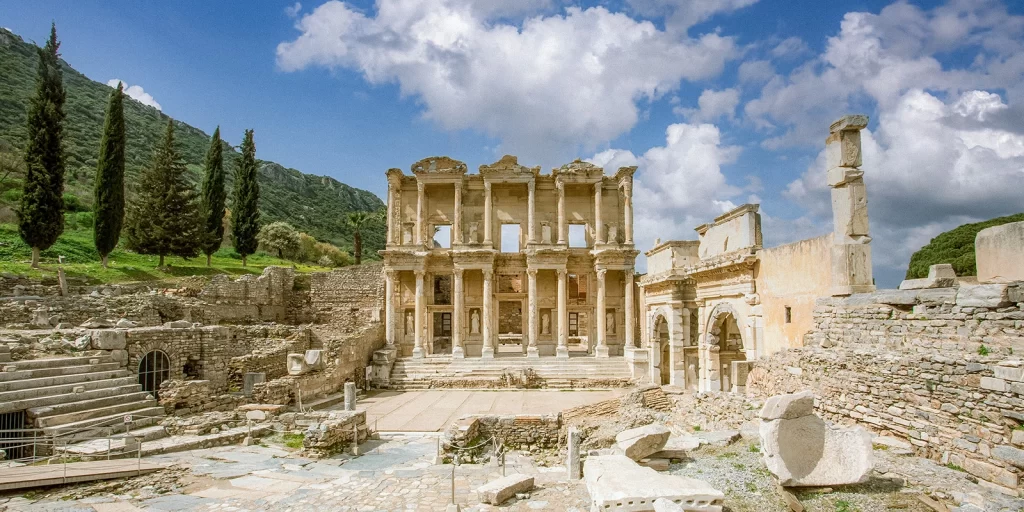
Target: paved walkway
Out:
[22,477]
[434,410]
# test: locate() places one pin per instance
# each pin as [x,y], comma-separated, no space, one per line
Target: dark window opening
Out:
[443,290]
[443,324]
[574,324]
[789,315]
[510,283]
[154,368]
[577,289]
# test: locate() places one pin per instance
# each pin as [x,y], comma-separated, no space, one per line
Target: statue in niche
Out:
[473,230]
[409,323]
[691,376]
[474,322]
[545,323]
[610,322]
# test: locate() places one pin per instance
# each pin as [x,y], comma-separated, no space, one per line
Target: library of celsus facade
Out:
[509,261]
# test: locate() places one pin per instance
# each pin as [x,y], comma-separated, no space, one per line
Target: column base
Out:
[600,351]
[531,353]
[417,353]
[487,353]
[458,353]
[562,352]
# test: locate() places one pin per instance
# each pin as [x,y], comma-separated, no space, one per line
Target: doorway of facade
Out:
[154,368]
[510,326]
[727,332]
[442,339]
[664,350]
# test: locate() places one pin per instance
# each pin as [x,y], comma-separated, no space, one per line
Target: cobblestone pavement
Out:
[395,474]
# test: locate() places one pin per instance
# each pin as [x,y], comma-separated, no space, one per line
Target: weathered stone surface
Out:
[178,324]
[614,481]
[788,406]
[497,491]
[124,323]
[1009,454]
[640,442]
[657,464]
[990,472]
[983,296]
[108,339]
[805,452]
[97,323]
[998,252]
[297,364]
[718,437]
[677,447]
[663,505]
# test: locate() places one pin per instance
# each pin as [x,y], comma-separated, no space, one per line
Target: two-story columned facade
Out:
[509,260]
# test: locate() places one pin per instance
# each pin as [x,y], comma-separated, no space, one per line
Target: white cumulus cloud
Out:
[712,105]
[680,15]
[136,93]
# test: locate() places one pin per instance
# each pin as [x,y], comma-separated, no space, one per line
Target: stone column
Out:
[487,213]
[562,350]
[530,237]
[851,249]
[457,351]
[598,223]
[627,211]
[601,350]
[391,213]
[531,296]
[628,324]
[574,438]
[457,223]
[396,219]
[418,322]
[419,213]
[488,311]
[561,212]
[389,306]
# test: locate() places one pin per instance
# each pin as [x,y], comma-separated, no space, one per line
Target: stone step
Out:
[90,414]
[8,398]
[56,371]
[105,425]
[60,397]
[99,448]
[60,380]
[54,362]
[136,395]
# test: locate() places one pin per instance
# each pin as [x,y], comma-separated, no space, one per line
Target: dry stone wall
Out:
[935,367]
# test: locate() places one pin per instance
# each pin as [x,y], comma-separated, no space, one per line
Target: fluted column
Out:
[487,213]
[563,316]
[561,211]
[627,208]
[457,350]
[628,278]
[391,215]
[389,307]
[530,235]
[531,349]
[598,223]
[417,350]
[601,350]
[457,224]
[396,217]
[488,349]
[419,213]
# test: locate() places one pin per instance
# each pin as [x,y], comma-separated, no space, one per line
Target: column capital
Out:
[487,186]
[601,273]
[531,185]
[560,186]
[488,273]
[458,272]
[532,272]
[391,273]
[561,273]
[420,273]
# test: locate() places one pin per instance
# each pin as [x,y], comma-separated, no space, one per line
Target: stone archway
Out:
[723,343]
[661,339]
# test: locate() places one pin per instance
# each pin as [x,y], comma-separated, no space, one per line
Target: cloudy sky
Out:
[719,102]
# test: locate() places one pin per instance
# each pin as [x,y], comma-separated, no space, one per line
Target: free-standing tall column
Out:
[487,213]
[532,185]
[561,211]
[851,239]
[627,210]
[457,350]
[628,278]
[488,350]
[563,317]
[417,350]
[419,213]
[389,307]
[601,350]
[531,349]
[457,224]
[598,223]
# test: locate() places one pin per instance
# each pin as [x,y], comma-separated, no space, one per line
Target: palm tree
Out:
[357,221]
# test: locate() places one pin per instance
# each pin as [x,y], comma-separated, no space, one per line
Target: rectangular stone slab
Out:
[617,484]
[497,491]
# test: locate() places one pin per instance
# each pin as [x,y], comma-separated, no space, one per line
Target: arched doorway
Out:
[661,335]
[725,340]
[154,368]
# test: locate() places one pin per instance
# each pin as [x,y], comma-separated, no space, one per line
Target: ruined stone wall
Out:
[183,398]
[349,298]
[792,276]
[208,350]
[522,431]
[250,298]
[935,367]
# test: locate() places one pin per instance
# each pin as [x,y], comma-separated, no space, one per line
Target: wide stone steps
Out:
[477,372]
[98,412]
[134,395]
[59,396]
[57,362]
[104,425]
[60,380]
[48,395]
[56,372]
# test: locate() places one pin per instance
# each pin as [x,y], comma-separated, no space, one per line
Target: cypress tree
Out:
[245,214]
[213,197]
[164,217]
[41,215]
[108,205]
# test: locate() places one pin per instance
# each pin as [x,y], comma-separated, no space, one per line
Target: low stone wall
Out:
[521,432]
[334,432]
[934,367]
[204,351]
[250,298]
[182,398]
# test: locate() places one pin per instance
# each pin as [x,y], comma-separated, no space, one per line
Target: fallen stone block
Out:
[718,437]
[677,447]
[997,252]
[655,464]
[663,505]
[983,296]
[640,442]
[617,484]
[108,339]
[97,323]
[178,324]
[124,323]
[498,491]
[297,364]
[897,446]
[789,406]
[939,276]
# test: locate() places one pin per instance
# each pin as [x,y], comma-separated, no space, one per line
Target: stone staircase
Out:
[75,396]
[446,372]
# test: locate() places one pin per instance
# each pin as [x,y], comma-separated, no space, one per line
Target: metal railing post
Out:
[139,467]
[65,459]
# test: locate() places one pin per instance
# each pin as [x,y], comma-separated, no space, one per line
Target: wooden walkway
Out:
[22,477]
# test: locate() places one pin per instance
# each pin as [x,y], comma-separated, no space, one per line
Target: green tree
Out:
[164,217]
[213,197]
[108,204]
[41,216]
[281,237]
[245,212]
[357,221]
[955,247]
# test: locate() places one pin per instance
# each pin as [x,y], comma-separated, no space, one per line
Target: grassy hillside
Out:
[315,204]
[955,247]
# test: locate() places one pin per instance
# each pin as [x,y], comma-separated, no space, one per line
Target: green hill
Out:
[955,247]
[317,205]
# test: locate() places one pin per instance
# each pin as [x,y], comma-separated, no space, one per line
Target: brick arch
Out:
[719,311]
[177,357]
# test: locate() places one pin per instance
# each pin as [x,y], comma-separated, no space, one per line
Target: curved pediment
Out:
[439,166]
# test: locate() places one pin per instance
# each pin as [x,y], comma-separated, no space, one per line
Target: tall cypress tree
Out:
[41,215]
[164,217]
[108,205]
[213,197]
[245,213]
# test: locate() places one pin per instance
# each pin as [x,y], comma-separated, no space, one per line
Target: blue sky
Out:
[719,102]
